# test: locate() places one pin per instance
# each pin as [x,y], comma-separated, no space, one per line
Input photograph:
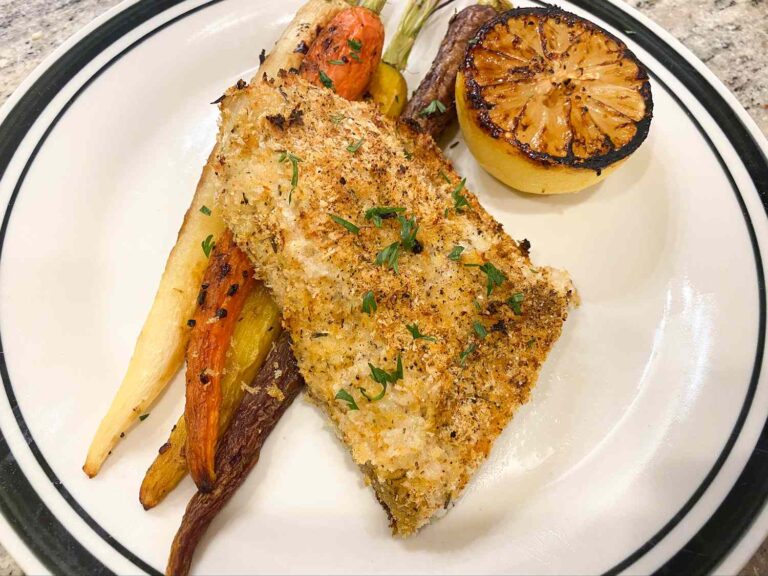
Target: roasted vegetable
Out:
[256,330]
[346,53]
[159,350]
[226,284]
[273,391]
[432,107]
[388,88]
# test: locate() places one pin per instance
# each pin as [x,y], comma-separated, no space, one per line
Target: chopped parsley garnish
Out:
[294,160]
[208,245]
[464,355]
[408,230]
[348,225]
[456,253]
[530,342]
[379,213]
[459,200]
[326,81]
[347,397]
[476,304]
[143,417]
[388,257]
[434,107]
[369,303]
[479,329]
[515,302]
[337,62]
[381,376]
[445,177]
[355,146]
[205,210]
[407,153]
[495,276]
[356,46]
[417,335]
[338,118]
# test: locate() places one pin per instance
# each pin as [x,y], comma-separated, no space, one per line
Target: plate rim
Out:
[619,16]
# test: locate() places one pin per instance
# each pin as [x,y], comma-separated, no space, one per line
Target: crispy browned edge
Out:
[275,387]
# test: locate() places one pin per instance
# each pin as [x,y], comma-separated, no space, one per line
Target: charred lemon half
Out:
[551,103]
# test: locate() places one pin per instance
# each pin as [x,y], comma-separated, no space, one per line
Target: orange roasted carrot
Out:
[227,282]
[344,56]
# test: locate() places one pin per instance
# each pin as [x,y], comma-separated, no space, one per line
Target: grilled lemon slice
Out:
[549,102]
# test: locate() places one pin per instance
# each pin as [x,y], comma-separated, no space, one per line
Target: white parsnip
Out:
[159,350]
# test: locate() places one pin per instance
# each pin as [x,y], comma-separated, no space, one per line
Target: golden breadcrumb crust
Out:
[421,442]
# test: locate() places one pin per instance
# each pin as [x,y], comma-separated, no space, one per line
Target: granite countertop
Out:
[730,36]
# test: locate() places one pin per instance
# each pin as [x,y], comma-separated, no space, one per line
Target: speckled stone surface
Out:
[730,36]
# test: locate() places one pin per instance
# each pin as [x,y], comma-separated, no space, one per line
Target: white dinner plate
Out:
[643,448]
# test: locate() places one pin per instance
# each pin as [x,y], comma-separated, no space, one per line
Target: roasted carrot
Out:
[276,385]
[226,285]
[351,44]
[346,53]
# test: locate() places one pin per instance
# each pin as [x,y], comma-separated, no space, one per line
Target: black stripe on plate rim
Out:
[711,544]
[74,555]
[25,511]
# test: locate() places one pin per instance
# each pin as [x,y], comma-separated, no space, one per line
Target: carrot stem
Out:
[374,5]
[415,16]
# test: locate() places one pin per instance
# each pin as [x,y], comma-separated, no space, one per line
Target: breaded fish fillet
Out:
[420,384]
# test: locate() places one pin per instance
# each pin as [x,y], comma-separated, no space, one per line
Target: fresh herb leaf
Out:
[515,302]
[294,160]
[456,253]
[408,154]
[476,304]
[338,118]
[143,417]
[388,257]
[348,225]
[326,81]
[464,355]
[445,177]
[495,277]
[355,56]
[369,303]
[205,210]
[479,329]
[530,342]
[459,200]
[381,376]
[356,45]
[408,230]
[379,213]
[355,146]
[417,335]
[337,62]
[434,107]
[208,245]
[347,397]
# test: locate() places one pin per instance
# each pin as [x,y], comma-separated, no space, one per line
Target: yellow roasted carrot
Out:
[256,329]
